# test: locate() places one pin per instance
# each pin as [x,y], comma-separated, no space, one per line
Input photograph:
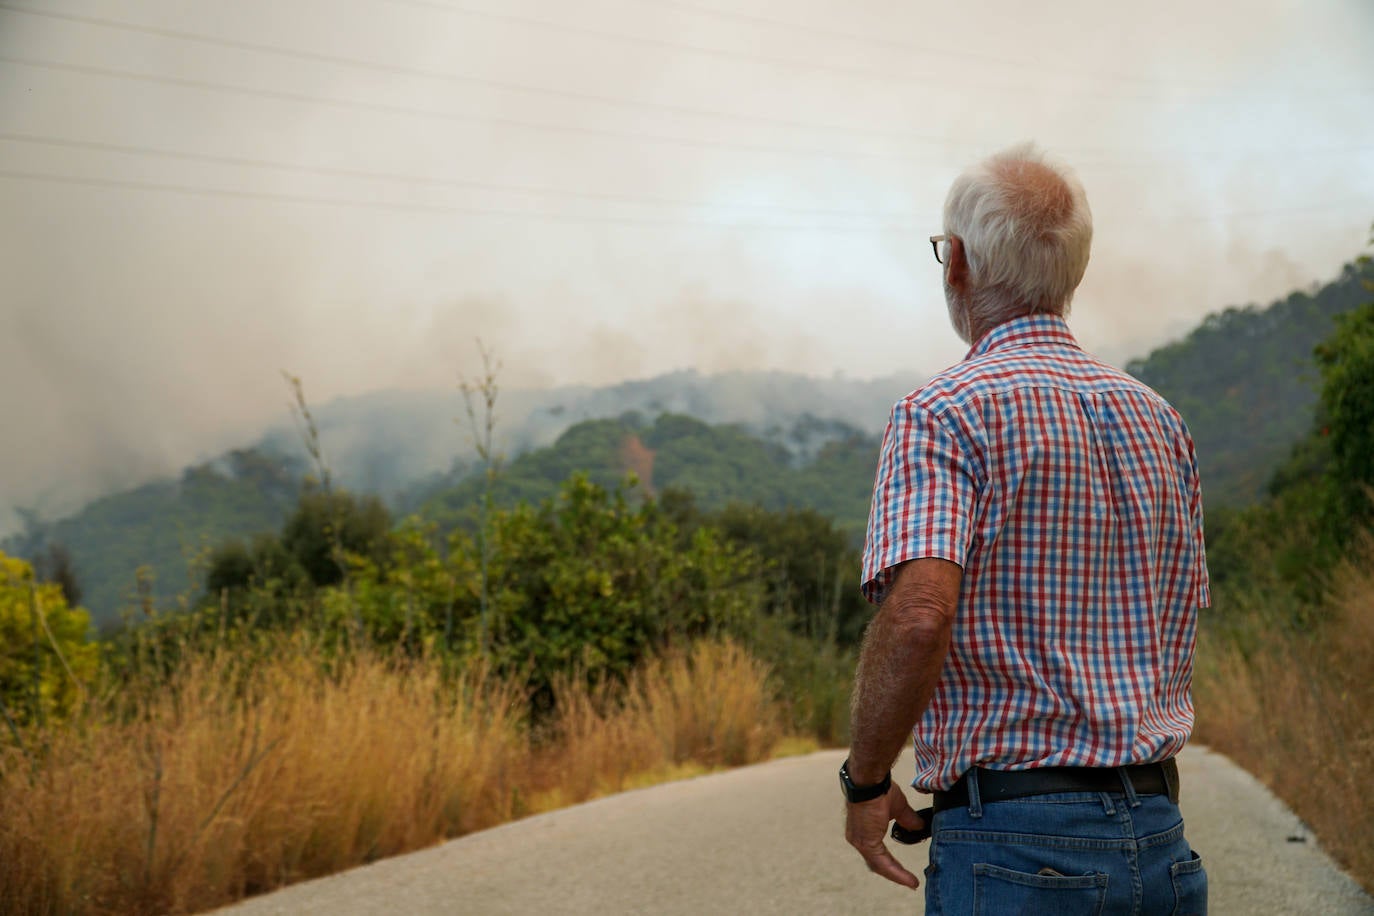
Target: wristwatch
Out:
[857,794]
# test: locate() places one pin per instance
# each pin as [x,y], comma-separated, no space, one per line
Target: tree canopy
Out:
[1246,383]
[46,657]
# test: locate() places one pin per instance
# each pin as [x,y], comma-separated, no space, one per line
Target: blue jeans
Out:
[1064,854]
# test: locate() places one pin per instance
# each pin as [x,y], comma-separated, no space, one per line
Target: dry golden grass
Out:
[1296,712]
[682,714]
[229,782]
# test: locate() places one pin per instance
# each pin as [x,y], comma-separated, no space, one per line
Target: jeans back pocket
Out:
[1190,887]
[1000,891]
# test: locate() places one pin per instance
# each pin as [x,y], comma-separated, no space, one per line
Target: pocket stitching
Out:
[1187,866]
[1090,882]
[1054,882]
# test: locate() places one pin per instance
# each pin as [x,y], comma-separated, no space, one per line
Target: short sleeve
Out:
[923,498]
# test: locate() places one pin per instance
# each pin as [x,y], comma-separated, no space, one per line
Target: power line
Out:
[438,75]
[1172,158]
[660,43]
[602,133]
[884,76]
[1327,206]
[409,111]
[402,206]
[910,48]
[515,87]
[867,215]
[820,32]
[437,181]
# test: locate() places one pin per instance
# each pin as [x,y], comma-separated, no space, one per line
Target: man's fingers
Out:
[881,862]
[866,827]
[901,811]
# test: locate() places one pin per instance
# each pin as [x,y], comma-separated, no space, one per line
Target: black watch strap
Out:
[856,794]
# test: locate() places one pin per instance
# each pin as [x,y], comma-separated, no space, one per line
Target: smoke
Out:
[386,442]
[359,204]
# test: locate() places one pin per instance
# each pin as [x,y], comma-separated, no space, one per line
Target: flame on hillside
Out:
[637,457]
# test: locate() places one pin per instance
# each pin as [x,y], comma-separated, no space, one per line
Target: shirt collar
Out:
[1025,331]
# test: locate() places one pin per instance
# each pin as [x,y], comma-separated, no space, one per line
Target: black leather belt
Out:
[1000,785]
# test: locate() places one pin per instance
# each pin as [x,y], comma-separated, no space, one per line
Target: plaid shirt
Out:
[1068,492]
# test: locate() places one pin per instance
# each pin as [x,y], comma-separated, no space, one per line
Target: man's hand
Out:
[866,827]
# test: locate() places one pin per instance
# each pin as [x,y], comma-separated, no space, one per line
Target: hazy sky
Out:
[195,195]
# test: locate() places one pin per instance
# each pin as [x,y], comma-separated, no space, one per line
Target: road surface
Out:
[768,839]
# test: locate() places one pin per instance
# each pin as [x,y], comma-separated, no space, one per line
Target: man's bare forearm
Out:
[903,653]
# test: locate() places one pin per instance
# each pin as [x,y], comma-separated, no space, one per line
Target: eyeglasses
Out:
[935,241]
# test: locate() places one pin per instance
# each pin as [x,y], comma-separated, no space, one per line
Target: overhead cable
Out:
[434,208]
[431,180]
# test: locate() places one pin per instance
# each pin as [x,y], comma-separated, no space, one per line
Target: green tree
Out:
[1245,382]
[329,526]
[424,592]
[231,568]
[258,582]
[589,582]
[45,651]
[1347,418]
[1278,554]
[55,564]
[812,568]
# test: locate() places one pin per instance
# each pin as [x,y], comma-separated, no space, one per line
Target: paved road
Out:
[767,839]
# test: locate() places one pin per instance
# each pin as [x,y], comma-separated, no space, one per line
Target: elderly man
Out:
[1035,549]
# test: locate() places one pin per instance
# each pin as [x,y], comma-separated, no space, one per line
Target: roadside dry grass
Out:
[1294,709]
[230,779]
[683,714]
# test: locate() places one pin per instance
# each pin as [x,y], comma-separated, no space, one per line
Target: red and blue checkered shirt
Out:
[1068,492]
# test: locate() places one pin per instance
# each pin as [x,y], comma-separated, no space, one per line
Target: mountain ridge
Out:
[1242,379]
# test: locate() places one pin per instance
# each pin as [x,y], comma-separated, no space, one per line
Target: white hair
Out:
[1027,232]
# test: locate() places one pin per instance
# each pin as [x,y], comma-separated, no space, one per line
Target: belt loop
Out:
[975,801]
[1132,799]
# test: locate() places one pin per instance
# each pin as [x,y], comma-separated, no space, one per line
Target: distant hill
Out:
[401,443]
[824,465]
[408,446]
[1243,380]
[164,525]
[1246,384]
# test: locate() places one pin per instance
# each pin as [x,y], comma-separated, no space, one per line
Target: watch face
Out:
[862,793]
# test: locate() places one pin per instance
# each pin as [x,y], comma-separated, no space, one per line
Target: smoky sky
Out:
[195,196]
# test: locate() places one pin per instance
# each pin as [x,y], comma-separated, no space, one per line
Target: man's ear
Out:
[956,265]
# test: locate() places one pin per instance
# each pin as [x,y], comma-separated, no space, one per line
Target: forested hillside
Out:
[821,465]
[169,526]
[165,526]
[386,442]
[1245,382]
